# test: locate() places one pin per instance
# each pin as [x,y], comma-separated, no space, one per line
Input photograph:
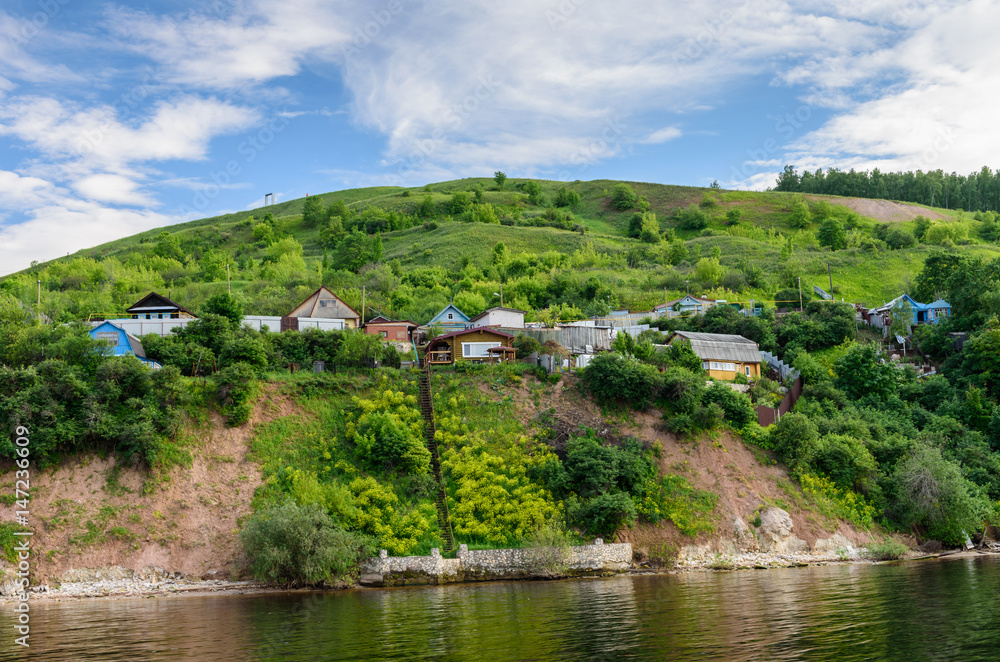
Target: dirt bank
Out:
[885,211]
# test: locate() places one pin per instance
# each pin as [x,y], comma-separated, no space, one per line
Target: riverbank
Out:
[118,583]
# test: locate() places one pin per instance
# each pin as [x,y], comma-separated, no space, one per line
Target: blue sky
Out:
[120,117]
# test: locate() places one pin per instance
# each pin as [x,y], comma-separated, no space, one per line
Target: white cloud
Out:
[663,135]
[114,189]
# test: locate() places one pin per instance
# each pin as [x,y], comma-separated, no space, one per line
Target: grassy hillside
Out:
[729,244]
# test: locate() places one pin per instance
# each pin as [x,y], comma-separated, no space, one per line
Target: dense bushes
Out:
[612,377]
[387,432]
[300,544]
[79,401]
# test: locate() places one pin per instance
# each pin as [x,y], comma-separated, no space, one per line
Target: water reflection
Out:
[940,610]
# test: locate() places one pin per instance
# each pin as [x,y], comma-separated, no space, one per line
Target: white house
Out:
[507,318]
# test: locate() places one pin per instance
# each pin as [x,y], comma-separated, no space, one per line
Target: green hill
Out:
[565,245]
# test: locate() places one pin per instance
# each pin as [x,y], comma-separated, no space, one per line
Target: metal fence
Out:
[768,416]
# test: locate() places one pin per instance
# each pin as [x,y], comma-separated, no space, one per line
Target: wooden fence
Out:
[767,416]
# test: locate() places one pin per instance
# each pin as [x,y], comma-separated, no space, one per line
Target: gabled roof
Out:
[479,329]
[154,302]
[134,343]
[720,346]
[465,318]
[940,303]
[688,299]
[383,321]
[490,310]
[310,306]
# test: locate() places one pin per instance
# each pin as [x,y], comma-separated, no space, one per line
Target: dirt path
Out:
[885,211]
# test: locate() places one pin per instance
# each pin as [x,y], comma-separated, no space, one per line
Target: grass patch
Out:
[886,550]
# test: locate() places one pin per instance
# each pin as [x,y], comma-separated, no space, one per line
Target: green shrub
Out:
[293,544]
[886,550]
[605,514]
[842,458]
[611,377]
[387,431]
[793,435]
[623,197]
[236,388]
[737,410]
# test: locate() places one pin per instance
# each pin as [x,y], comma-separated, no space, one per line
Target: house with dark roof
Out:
[480,345]
[507,318]
[155,306]
[321,305]
[121,343]
[722,355]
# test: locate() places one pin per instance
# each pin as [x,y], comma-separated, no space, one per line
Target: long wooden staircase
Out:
[441,498]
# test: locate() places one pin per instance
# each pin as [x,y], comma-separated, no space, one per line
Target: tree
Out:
[356,250]
[831,233]
[459,202]
[861,373]
[500,178]
[312,212]
[623,197]
[800,216]
[332,233]
[426,207]
[734,215]
[227,306]
[708,270]
[567,198]
[169,246]
[534,191]
[693,218]
[902,318]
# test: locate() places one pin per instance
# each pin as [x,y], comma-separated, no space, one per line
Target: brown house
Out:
[398,332]
[481,345]
[324,304]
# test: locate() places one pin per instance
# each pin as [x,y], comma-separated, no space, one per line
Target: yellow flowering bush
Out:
[387,431]
[379,515]
[846,503]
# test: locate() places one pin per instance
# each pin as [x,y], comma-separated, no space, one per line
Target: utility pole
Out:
[800,294]
[830,274]
[664,302]
[229,284]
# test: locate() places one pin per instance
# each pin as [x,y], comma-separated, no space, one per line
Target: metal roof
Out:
[721,346]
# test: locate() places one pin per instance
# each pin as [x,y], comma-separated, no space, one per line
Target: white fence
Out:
[256,322]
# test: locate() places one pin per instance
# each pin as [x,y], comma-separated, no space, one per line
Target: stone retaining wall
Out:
[490,564]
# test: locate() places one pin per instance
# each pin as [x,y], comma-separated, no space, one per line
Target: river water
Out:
[931,610]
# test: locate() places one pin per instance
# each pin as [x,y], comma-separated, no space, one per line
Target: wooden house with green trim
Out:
[480,345]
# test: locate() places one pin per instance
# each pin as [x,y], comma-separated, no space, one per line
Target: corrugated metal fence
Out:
[767,416]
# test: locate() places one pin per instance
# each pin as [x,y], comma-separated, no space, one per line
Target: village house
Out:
[155,306]
[684,306]
[722,355]
[121,343]
[507,318]
[449,319]
[397,332]
[923,313]
[480,345]
[323,310]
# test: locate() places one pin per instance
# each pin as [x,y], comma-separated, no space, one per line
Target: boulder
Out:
[775,533]
[835,544]
[746,541]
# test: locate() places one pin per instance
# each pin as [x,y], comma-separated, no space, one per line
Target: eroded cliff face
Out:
[88,514]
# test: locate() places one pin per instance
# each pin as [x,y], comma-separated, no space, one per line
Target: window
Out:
[704,365]
[729,367]
[451,316]
[384,334]
[716,365]
[325,303]
[107,337]
[747,369]
[477,350]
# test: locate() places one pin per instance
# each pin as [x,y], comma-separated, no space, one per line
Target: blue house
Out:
[923,313]
[450,318]
[686,305]
[121,343]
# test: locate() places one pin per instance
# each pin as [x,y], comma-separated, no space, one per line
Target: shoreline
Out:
[133,589]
